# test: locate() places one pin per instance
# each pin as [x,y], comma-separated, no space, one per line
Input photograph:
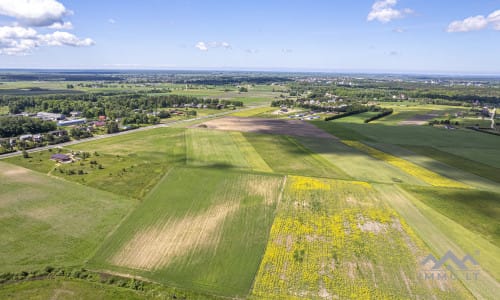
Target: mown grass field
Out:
[194,230]
[47,221]
[331,239]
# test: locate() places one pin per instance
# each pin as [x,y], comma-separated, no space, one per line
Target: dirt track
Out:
[270,126]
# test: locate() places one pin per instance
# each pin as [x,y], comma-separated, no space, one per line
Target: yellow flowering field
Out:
[425,175]
[334,239]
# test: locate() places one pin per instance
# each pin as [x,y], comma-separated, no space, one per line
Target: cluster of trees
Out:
[111,105]
[140,118]
[17,125]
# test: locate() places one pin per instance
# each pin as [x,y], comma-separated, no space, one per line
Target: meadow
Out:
[47,221]
[131,164]
[194,228]
[65,289]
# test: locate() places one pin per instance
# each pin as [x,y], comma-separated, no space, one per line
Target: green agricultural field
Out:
[450,165]
[47,221]
[193,230]
[441,234]
[207,147]
[357,164]
[461,142]
[4,110]
[477,211]
[467,165]
[331,239]
[65,289]
[130,164]
[286,156]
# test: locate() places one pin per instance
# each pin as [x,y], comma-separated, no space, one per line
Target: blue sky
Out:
[329,35]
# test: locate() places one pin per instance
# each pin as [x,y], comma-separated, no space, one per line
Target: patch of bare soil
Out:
[269,126]
[419,119]
[157,246]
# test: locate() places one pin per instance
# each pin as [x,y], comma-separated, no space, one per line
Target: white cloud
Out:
[385,12]
[202,46]
[286,50]
[494,19]
[399,30]
[59,26]
[111,21]
[205,46]
[61,38]
[476,23]
[468,24]
[17,40]
[16,32]
[34,12]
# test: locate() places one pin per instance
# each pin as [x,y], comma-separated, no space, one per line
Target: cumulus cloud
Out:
[59,26]
[17,40]
[34,12]
[22,39]
[385,12]
[205,46]
[476,23]
[111,21]
[61,38]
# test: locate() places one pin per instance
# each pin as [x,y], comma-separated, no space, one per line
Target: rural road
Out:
[493,118]
[105,136]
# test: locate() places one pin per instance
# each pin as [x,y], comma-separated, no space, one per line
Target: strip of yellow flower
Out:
[425,175]
[300,183]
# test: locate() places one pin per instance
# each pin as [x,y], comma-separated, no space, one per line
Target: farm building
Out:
[72,122]
[60,157]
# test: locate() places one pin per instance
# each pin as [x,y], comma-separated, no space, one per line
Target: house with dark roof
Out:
[60,157]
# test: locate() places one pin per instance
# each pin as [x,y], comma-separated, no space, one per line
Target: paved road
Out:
[105,136]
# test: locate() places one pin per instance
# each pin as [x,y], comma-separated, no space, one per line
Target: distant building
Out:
[26,137]
[50,116]
[75,114]
[72,122]
[58,133]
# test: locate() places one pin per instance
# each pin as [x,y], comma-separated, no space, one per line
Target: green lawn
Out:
[286,156]
[199,229]
[48,221]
